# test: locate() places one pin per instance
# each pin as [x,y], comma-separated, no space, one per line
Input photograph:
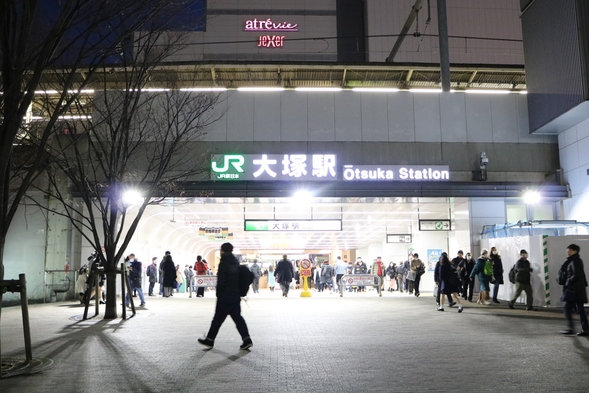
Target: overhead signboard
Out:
[292,225]
[398,238]
[435,225]
[384,173]
[273,167]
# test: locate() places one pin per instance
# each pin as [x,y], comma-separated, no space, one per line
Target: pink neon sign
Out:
[274,41]
[268,25]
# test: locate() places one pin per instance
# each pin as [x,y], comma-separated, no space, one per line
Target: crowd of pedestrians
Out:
[454,278]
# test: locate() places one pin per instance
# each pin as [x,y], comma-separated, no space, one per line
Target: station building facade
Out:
[406,127]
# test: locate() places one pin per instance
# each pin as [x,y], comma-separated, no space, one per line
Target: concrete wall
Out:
[467,21]
[451,128]
[573,146]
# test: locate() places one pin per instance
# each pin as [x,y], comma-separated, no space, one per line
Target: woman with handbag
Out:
[574,294]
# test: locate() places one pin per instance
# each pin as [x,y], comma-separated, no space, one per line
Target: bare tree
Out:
[139,139]
[62,47]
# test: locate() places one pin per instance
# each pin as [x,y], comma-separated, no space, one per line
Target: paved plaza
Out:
[358,343]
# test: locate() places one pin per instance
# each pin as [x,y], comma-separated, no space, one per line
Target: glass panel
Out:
[516,213]
[543,212]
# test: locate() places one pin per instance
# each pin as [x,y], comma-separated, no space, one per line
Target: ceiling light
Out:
[376,89]
[532,197]
[260,88]
[204,89]
[319,89]
[475,91]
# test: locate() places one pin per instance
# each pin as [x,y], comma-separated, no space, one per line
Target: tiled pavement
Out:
[358,343]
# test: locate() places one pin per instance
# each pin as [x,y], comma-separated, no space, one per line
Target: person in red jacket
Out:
[200,268]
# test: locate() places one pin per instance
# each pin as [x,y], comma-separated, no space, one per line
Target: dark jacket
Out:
[391,271]
[169,271]
[284,272]
[135,274]
[522,271]
[497,269]
[360,268]
[327,273]
[152,271]
[479,268]
[228,276]
[256,270]
[576,280]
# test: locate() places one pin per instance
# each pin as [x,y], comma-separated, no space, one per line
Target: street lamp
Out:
[132,197]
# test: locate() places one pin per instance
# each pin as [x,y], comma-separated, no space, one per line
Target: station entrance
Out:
[303,227]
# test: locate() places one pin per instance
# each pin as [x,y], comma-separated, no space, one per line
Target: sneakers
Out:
[207,342]
[583,333]
[496,301]
[568,331]
[487,303]
[533,309]
[247,344]
[452,304]
[440,308]
[460,309]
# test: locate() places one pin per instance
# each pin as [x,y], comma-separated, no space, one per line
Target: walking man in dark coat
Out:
[169,274]
[228,299]
[574,290]
[284,273]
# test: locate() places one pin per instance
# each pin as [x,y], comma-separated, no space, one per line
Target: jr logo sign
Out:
[236,161]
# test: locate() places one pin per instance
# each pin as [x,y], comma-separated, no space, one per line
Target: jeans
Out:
[256,284]
[568,313]
[495,290]
[151,285]
[140,292]
[228,305]
[200,291]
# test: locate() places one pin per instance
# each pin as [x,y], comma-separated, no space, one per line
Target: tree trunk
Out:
[2,242]
[111,295]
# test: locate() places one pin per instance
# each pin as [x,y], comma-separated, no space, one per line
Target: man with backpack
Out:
[523,278]
[257,272]
[228,299]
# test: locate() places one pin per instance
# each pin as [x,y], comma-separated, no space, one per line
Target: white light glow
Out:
[260,88]
[319,89]
[204,89]
[75,117]
[523,92]
[302,196]
[48,92]
[425,90]
[132,197]
[154,89]
[376,89]
[475,91]
[532,197]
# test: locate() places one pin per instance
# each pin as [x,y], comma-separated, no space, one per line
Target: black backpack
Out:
[512,275]
[246,278]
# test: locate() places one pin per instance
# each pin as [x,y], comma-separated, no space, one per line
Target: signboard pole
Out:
[305,266]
